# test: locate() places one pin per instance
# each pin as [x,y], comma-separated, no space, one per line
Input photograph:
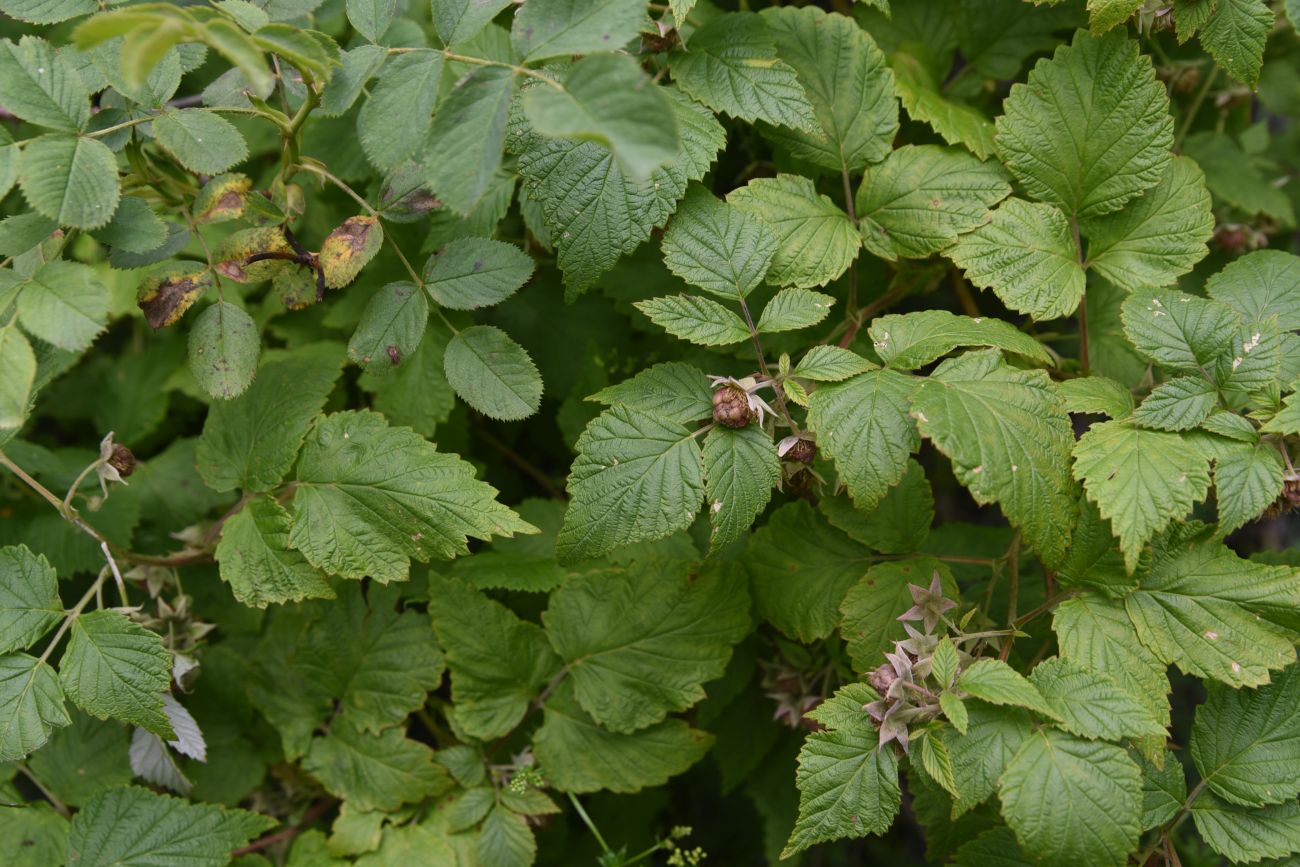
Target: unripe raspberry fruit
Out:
[731,406]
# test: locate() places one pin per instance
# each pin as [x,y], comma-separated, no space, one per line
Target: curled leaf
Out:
[348,248]
[166,294]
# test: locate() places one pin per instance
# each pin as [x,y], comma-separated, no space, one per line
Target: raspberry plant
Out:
[925,375]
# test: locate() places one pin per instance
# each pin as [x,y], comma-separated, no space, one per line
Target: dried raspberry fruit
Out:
[797,448]
[122,460]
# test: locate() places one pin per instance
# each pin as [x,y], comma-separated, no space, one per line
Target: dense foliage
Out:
[307,308]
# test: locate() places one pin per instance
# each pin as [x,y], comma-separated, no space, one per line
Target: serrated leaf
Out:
[116,669]
[608,99]
[848,83]
[830,364]
[31,705]
[1009,438]
[493,373]
[1248,478]
[937,762]
[980,756]
[696,319]
[391,327]
[458,20]
[911,340]
[1235,178]
[1071,801]
[864,425]
[39,87]
[921,198]
[1201,607]
[1159,236]
[955,710]
[639,643]
[996,682]
[1091,128]
[468,137]
[1180,332]
[223,350]
[506,839]
[1245,741]
[637,477]
[469,273]
[731,65]
[792,309]
[134,227]
[1091,704]
[801,568]
[29,598]
[251,442]
[848,787]
[1099,394]
[371,18]
[132,825]
[1141,480]
[898,525]
[996,36]
[69,179]
[583,757]
[63,303]
[201,140]
[871,608]
[396,117]
[1106,14]
[716,246]
[369,497]
[1027,256]
[1182,403]
[498,663]
[815,240]
[257,562]
[844,709]
[1259,285]
[740,469]
[1241,834]
[955,122]
[19,363]
[674,391]
[356,69]
[556,28]
[374,771]
[1235,35]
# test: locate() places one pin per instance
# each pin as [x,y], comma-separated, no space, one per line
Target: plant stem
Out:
[59,807]
[314,812]
[1083,302]
[1186,126]
[591,826]
[762,366]
[850,308]
[1013,591]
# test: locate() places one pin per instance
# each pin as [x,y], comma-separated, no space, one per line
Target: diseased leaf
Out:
[223,350]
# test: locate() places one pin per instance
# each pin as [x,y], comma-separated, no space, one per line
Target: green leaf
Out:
[1204,609]
[944,662]
[42,88]
[899,525]
[848,788]
[673,391]
[493,373]
[129,825]
[830,364]
[391,327]
[815,240]
[116,669]
[1009,439]
[31,705]
[374,771]
[910,340]
[1139,479]
[134,227]
[716,246]
[1091,704]
[995,847]
[1182,403]
[257,562]
[19,364]
[981,755]
[872,606]
[580,756]
[29,598]
[608,99]
[1245,742]
[395,120]
[506,839]
[224,347]
[1235,37]
[640,642]
[1178,331]
[921,198]
[1159,236]
[696,319]
[1091,128]
[371,18]
[864,425]
[844,710]
[637,477]
[350,78]
[1248,478]
[468,135]
[458,20]
[63,303]
[555,28]
[251,442]
[996,36]
[731,65]
[1236,179]
[498,662]
[1260,285]
[70,180]
[47,11]
[1241,834]
[202,141]
[1164,790]
[1072,801]
[1287,420]
[1096,394]
[369,497]
[801,568]
[740,469]
[998,683]
[1106,14]
[848,83]
[955,122]
[792,309]
[470,273]
[1027,255]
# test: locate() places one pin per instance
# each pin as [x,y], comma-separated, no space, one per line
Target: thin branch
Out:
[762,366]
[314,812]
